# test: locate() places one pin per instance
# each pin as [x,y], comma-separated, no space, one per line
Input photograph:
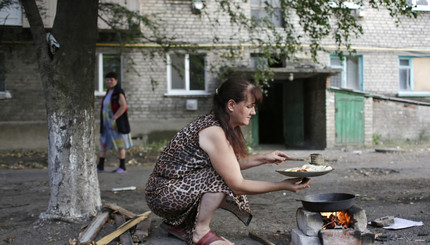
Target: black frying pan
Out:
[328,202]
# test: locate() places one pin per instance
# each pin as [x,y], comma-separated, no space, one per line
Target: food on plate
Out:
[309,168]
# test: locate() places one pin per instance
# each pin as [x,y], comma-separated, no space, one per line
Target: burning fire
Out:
[335,220]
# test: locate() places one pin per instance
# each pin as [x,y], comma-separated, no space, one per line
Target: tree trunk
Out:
[68,81]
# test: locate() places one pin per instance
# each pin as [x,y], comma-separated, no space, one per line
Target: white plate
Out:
[303,174]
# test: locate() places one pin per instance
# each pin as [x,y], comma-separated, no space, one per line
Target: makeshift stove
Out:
[341,227]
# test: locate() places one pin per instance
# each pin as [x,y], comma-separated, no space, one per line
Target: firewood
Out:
[125,238]
[90,233]
[260,239]
[120,210]
[142,230]
[124,227]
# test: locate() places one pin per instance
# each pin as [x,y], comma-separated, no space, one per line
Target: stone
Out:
[299,238]
[359,216]
[309,222]
[340,237]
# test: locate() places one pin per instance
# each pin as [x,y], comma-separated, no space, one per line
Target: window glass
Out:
[404,76]
[2,73]
[419,5]
[336,81]
[260,12]
[177,71]
[11,15]
[197,72]
[352,72]
[335,61]
[404,62]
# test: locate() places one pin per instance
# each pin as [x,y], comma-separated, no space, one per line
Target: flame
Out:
[336,219]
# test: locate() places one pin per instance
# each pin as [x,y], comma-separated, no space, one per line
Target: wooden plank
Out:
[127,225]
[125,238]
[142,230]
[120,210]
[90,233]
[260,239]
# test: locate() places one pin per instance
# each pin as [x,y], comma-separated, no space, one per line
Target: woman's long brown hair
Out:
[236,89]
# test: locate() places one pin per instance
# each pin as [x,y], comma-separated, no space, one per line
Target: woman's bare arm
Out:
[122,107]
[213,141]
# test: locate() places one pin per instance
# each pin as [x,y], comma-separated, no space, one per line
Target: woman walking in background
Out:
[114,125]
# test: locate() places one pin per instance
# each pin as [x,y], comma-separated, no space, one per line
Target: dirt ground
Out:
[385,184]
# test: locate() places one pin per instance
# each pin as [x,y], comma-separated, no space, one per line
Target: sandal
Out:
[174,231]
[209,238]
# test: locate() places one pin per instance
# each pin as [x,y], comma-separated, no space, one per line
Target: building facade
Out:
[382,90]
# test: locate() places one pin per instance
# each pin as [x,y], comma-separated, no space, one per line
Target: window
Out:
[267,9]
[352,73]
[186,73]
[2,74]
[413,76]
[419,5]
[275,61]
[4,94]
[11,15]
[106,62]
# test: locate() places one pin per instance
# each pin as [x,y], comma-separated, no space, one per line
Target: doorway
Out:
[270,116]
[293,114]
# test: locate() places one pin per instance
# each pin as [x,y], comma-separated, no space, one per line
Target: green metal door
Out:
[349,118]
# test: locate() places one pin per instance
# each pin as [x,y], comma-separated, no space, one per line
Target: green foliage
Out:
[376,138]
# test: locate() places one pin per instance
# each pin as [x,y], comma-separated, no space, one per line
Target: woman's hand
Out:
[296,184]
[275,157]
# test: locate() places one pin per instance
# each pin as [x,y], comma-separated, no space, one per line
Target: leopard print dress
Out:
[182,174]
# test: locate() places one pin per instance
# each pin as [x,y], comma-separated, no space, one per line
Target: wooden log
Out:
[142,230]
[124,227]
[259,238]
[125,238]
[90,233]
[118,209]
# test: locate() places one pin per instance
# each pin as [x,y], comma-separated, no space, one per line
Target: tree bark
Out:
[68,82]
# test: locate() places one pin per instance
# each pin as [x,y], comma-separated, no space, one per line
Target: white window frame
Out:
[261,8]
[346,4]
[411,92]
[416,7]
[12,15]
[344,70]
[187,90]
[4,94]
[98,90]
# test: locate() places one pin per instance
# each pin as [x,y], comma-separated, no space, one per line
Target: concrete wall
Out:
[330,108]
[407,120]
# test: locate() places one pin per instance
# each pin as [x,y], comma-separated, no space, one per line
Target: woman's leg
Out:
[102,154]
[122,158]
[121,153]
[101,164]
[208,205]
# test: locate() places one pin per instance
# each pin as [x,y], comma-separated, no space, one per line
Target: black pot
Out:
[328,202]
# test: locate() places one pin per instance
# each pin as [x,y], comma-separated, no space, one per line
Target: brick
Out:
[299,238]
